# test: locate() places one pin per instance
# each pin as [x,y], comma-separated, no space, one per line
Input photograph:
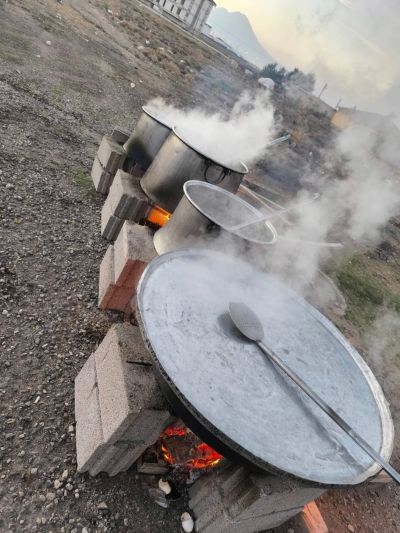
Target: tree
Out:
[296,77]
[299,78]
[277,74]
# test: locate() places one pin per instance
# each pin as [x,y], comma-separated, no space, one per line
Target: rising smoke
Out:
[241,136]
[351,210]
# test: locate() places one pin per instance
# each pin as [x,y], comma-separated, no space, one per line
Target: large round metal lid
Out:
[161,119]
[230,212]
[230,389]
[187,137]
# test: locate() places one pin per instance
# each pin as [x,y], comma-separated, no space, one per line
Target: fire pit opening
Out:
[157,217]
[179,450]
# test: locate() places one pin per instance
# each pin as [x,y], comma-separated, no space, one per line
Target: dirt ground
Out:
[66,70]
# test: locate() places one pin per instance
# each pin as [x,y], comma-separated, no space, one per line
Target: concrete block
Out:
[111,155]
[85,383]
[232,499]
[126,460]
[110,224]
[120,135]
[109,459]
[90,445]
[132,406]
[126,199]
[274,494]
[129,343]
[102,179]
[120,410]
[134,249]
[106,276]
[263,523]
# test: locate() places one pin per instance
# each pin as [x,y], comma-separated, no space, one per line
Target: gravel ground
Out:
[56,101]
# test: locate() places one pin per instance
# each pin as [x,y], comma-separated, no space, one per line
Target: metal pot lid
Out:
[231,390]
[187,139]
[230,212]
[161,120]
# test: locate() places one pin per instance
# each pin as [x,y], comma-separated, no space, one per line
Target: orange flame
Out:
[200,455]
[158,216]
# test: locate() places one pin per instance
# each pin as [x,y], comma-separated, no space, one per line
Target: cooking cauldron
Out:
[178,161]
[147,138]
[208,215]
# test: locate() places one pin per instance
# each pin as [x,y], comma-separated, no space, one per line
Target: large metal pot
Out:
[211,217]
[149,135]
[179,161]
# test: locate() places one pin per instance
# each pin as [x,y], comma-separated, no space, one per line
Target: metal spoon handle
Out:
[330,412]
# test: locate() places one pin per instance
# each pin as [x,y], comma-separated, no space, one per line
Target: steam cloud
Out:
[383,339]
[242,136]
[353,210]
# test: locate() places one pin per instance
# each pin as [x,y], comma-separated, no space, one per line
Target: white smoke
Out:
[383,339]
[241,136]
[353,210]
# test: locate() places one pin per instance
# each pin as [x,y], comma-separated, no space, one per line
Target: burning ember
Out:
[181,447]
[158,216]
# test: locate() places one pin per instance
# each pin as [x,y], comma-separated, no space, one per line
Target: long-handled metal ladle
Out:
[250,326]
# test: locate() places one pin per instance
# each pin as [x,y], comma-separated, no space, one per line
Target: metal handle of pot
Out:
[225,172]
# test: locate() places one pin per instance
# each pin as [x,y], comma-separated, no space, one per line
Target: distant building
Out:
[192,13]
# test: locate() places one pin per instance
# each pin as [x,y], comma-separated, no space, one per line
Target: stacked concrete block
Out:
[233,500]
[120,135]
[119,408]
[125,201]
[123,265]
[110,224]
[101,178]
[110,157]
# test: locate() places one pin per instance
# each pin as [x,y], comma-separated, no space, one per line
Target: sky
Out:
[352,45]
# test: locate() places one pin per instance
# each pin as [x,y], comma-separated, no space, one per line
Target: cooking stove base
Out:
[121,412]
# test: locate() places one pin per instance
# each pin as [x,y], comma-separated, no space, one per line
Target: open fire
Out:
[181,447]
[157,217]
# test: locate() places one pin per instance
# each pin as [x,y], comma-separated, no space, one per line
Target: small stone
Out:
[48,43]
[57,484]
[187,522]
[85,530]
[9,186]
[102,506]
[351,528]
[34,471]
[65,474]
[50,496]
[6,313]
[69,487]
[71,429]
[133,85]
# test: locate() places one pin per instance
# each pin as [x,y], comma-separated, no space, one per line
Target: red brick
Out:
[133,250]
[117,298]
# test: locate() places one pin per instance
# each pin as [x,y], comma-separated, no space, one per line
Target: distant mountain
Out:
[235,30]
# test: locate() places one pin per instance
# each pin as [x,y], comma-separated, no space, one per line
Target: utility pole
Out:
[323,90]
